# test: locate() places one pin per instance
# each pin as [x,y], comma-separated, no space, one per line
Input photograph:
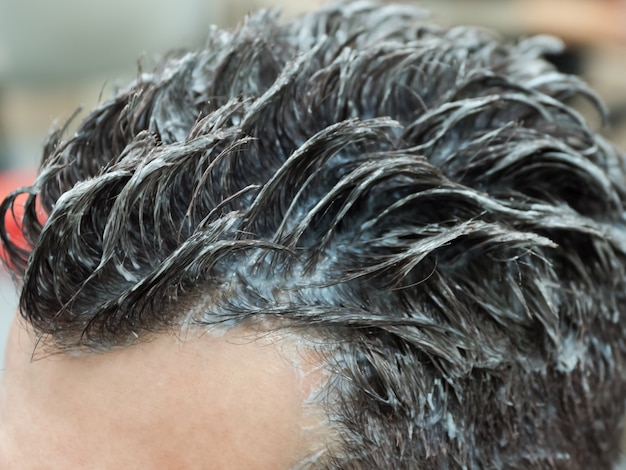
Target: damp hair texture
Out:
[422,201]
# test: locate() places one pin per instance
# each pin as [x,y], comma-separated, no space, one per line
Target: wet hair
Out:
[422,204]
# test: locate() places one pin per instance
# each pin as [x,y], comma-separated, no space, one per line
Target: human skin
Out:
[228,401]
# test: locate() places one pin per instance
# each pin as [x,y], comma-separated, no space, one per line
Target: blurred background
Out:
[57,56]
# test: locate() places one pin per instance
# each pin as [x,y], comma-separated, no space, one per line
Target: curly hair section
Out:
[425,200]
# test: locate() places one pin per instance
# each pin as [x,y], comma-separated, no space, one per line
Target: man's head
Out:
[428,239]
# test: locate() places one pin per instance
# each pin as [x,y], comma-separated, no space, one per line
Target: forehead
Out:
[234,400]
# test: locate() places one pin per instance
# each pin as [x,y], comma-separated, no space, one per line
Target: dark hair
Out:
[421,200]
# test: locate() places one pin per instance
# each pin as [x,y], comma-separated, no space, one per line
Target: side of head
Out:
[420,207]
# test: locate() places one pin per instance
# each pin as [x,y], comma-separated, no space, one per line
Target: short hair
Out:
[420,204]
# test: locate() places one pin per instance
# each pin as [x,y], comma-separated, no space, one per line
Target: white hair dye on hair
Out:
[418,206]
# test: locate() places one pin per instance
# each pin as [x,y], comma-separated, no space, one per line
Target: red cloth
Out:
[9,182]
